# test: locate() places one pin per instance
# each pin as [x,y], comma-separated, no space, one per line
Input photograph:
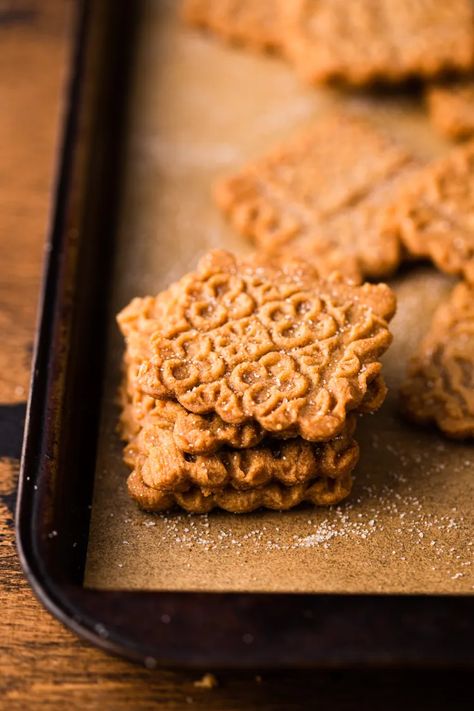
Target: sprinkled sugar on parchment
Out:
[200,109]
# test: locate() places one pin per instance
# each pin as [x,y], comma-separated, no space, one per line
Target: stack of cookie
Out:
[242,385]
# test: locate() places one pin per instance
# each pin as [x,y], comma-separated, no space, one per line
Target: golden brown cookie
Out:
[255,23]
[136,408]
[365,41]
[433,216]
[163,466]
[321,196]
[325,259]
[198,434]
[451,109]
[138,320]
[320,492]
[440,383]
[205,434]
[192,433]
[267,345]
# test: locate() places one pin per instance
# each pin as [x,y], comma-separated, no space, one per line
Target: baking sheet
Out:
[199,109]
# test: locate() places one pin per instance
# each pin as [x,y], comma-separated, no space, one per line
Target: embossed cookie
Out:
[368,41]
[204,434]
[326,258]
[451,109]
[321,196]
[195,434]
[256,24]
[434,215]
[320,492]
[192,433]
[440,384]
[138,408]
[163,466]
[272,346]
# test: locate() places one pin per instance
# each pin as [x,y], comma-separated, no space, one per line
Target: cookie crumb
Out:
[208,681]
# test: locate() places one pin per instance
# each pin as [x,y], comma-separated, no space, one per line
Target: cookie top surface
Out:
[321,195]
[276,346]
[256,24]
[433,216]
[440,383]
[370,41]
[192,433]
[451,109]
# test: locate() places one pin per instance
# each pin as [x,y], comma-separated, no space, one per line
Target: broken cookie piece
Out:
[321,196]
[440,383]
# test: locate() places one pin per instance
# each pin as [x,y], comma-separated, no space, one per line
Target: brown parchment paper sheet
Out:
[200,109]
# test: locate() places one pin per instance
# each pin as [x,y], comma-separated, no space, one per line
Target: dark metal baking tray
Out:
[173,629]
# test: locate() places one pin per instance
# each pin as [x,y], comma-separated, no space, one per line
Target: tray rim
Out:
[321,630]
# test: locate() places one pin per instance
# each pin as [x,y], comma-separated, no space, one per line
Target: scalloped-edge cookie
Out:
[440,383]
[192,433]
[163,466]
[204,434]
[388,41]
[433,215]
[269,345]
[320,492]
[321,196]
[451,108]
[253,23]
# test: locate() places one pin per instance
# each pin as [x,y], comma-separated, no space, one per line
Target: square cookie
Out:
[269,345]
[321,196]
[192,433]
[365,41]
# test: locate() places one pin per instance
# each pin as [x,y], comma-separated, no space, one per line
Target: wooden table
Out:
[42,665]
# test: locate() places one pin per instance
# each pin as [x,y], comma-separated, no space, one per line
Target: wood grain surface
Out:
[42,665]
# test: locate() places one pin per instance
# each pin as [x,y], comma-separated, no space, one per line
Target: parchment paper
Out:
[200,109]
